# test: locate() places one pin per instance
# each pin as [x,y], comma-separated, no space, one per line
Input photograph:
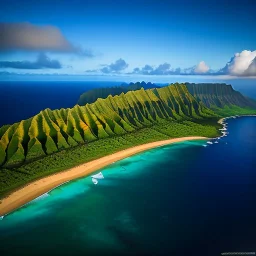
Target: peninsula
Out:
[86,138]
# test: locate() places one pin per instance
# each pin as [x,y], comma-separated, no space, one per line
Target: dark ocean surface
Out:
[190,198]
[21,100]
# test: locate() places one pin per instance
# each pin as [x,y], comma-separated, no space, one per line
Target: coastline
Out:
[229,117]
[35,189]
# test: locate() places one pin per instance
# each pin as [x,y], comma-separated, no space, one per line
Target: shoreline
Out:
[229,117]
[39,187]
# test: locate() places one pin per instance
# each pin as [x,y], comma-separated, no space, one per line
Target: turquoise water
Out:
[181,198]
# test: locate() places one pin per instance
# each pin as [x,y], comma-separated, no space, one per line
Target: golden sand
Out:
[39,187]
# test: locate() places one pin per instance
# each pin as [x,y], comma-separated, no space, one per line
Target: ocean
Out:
[189,198]
[22,100]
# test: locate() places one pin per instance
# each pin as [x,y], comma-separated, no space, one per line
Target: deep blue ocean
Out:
[189,198]
[21,100]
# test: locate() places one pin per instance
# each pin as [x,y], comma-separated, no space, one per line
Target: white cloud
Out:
[251,70]
[201,68]
[241,64]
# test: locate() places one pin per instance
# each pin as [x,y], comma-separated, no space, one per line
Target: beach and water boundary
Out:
[32,190]
[39,187]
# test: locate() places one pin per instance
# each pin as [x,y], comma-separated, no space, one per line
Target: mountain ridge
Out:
[92,95]
[219,95]
[54,130]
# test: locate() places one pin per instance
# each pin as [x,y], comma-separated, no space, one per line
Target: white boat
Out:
[204,145]
[209,142]
[95,181]
[216,142]
[98,176]
[1,217]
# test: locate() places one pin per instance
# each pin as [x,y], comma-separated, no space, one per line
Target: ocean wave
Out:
[38,198]
[57,186]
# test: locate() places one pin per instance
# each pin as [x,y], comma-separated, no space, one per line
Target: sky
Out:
[96,39]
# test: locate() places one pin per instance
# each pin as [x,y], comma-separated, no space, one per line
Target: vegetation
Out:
[55,140]
[92,95]
[234,110]
[11,178]
[219,96]
[53,131]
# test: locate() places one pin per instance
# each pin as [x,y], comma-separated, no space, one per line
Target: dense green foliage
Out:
[52,131]
[231,110]
[92,95]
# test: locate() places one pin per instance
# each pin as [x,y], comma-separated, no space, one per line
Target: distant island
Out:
[56,140]
[92,95]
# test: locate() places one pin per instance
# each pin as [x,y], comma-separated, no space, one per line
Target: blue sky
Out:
[128,38]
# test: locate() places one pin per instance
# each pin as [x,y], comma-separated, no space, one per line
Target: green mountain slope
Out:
[53,131]
[92,95]
[222,98]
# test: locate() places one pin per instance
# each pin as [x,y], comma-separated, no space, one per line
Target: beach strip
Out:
[43,185]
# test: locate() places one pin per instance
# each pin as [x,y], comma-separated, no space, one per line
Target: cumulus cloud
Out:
[162,69]
[116,67]
[251,70]
[201,68]
[242,64]
[29,37]
[165,69]
[42,62]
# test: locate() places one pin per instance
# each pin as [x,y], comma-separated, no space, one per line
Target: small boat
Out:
[98,176]
[209,142]
[205,146]
[95,181]
[216,142]
[1,217]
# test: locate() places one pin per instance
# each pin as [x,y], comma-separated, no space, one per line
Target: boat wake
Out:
[96,177]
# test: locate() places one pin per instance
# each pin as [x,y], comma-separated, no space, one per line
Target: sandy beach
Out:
[39,187]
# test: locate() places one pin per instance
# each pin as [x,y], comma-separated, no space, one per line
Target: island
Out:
[36,152]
